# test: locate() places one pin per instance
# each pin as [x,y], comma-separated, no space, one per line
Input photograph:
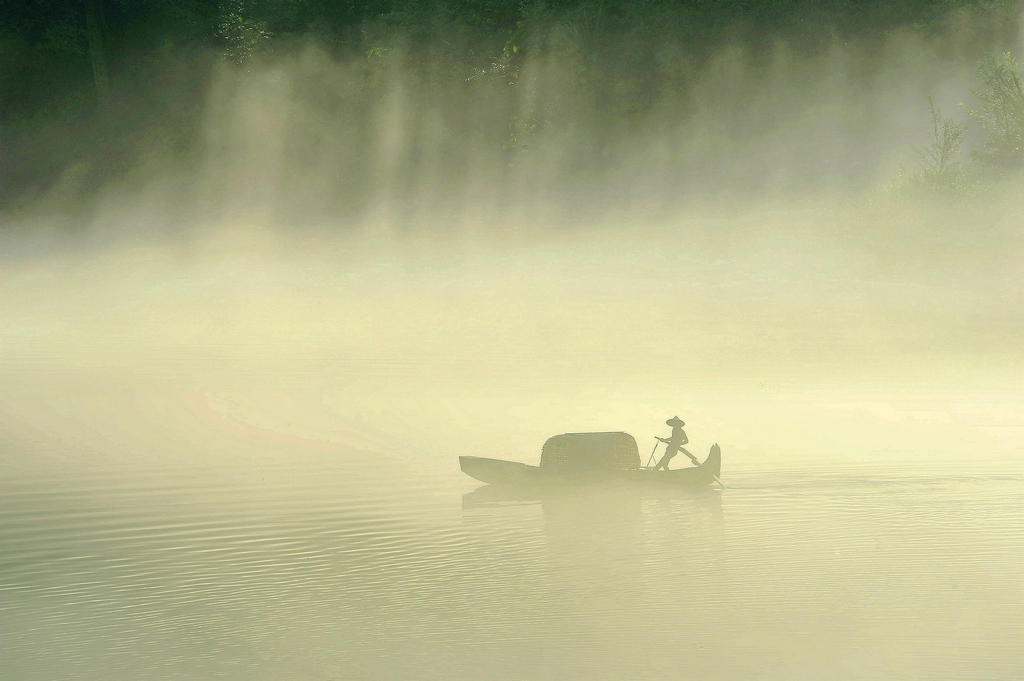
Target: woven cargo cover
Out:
[601,451]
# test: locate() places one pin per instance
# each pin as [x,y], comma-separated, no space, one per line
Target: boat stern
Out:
[713,464]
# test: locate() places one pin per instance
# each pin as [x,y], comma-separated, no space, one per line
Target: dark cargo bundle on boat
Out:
[603,451]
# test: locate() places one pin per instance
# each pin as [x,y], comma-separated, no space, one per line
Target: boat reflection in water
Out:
[599,523]
[602,494]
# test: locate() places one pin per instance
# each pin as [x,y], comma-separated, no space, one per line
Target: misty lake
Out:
[268,269]
[354,565]
[243,464]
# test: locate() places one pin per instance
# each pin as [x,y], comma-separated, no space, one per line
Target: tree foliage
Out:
[1000,112]
[940,160]
[1000,115]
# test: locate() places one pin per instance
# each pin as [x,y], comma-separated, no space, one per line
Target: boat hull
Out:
[512,473]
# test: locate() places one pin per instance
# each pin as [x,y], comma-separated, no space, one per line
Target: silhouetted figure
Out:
[677,440]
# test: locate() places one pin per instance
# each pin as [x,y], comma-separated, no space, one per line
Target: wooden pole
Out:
[652,453]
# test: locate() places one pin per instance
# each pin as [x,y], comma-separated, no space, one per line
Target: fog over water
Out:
[234,385]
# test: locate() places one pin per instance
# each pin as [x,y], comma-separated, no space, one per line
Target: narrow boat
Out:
[588,458]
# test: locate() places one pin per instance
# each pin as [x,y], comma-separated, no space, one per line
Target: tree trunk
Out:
[96,54]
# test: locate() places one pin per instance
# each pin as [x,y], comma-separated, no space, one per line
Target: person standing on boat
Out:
[674,442]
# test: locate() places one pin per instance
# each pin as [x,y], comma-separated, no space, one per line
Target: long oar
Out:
[652,454]
[694,459]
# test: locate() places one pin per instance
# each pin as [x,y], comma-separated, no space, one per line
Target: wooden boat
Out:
[589,458]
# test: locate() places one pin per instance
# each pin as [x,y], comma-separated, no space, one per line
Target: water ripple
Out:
[306,574]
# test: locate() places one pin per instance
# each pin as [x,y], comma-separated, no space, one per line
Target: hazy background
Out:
[389,249]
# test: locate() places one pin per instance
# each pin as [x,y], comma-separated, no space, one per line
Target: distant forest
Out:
[65,62]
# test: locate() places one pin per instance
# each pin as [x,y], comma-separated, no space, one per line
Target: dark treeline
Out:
[88,75]
[54,50]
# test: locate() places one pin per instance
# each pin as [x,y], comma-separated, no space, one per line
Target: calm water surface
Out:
[339,568]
